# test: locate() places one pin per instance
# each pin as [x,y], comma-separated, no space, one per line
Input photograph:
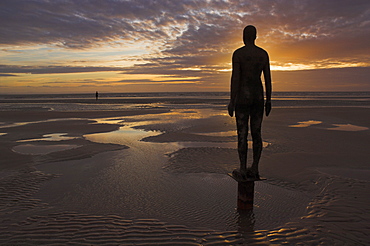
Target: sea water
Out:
[116,101]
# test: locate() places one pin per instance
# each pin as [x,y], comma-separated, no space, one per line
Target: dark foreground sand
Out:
[97,185]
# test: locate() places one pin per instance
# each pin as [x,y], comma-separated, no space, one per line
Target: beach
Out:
[154,171]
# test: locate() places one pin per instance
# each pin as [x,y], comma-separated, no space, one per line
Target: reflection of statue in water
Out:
[247,99]
[246,221]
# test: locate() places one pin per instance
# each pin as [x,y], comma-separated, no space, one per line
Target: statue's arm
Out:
[268,85]
[234,85]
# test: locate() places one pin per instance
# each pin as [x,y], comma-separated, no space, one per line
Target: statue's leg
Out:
[256,125]
[242,117]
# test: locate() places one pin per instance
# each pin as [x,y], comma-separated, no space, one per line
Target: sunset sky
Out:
[78,46]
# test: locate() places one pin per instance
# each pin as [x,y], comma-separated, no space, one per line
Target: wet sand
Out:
[159,176]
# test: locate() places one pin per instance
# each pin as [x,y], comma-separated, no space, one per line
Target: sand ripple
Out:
[339,214]
[26,221]
[16,191]
[82,229]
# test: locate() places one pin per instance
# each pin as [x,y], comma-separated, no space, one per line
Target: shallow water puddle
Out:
[34,149]
[338,127]
[50,137]
[36,122]
[180,145]
[113,120]
[218,134]
[125,135]
[128,136]
[306,123]
[348,127]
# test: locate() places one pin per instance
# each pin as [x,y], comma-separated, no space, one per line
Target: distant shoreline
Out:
[215,99]
[178,93]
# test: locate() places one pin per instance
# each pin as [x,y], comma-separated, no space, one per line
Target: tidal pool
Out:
[50,137]
[306,123]
[348,127]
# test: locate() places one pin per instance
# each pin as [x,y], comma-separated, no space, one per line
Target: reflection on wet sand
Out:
[176,192]
[203,191]
[246,221]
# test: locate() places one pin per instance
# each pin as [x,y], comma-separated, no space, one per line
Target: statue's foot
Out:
[239,174]
[252,174]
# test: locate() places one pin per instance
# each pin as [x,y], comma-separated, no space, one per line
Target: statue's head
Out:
[249,34]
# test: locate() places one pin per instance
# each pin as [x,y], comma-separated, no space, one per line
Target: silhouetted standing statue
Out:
[247,99]
[96,95]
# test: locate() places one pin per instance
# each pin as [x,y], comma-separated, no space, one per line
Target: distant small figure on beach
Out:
[96,95]
[247,99]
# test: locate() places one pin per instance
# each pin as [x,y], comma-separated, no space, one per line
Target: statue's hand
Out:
[268,108]
[231,109]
